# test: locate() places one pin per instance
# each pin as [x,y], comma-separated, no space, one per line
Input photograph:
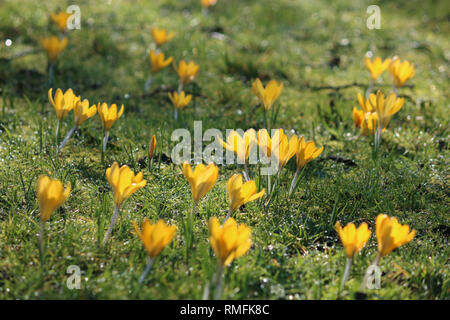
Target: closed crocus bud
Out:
[160,36]
[109,115]
[353,239]
[306,152]
[229,241]
[82,111]
[123,182]
[377,66]
[269,94]
[60,19]
[187,71]
[201,179]
[158,61]
[240,145]
[155,237]
[386,107]
[63,102]
[391,234]
[151,147]
[51,195]
[54,47]
[401,72]
[208,3]
[180,100]
[240,193]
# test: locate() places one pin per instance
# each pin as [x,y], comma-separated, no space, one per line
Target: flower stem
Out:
[219,283]
[50,74]
[67,137]
[294,181]
[148,83]
[57,130]
[246,175]
[113,222]
[367,274]
[228,215]
[395,89]
[41,240]
[348,265]
[147,269]
[105,140]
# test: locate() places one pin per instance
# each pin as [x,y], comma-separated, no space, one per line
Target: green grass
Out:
[296,253]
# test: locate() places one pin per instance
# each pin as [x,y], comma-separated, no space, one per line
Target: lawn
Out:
[316,49]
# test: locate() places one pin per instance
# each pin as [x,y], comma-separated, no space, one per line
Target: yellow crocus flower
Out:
[240,193]
[358,117]
[51,195]
[352,238]
[158,61]
[123,182]
[241,146]
[306,152]
[108,115]
[368,104]
[401,72]
[285,149]
[160,36]
[60,19]
[54,47]
[155,237]
[269,94]
[386,108]
[391,234]
[369,124]
[82,111]
[187,71]
[377,66]
[208,3]
[229,241]
[62,103]
[180,100]
[201,180]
